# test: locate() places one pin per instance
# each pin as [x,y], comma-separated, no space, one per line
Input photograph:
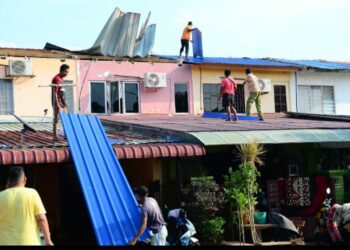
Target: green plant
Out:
[241,186]
[204,200]
[213,229]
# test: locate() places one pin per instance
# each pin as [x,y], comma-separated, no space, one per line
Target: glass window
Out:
[6,97]
[181,98]
[98,100]
[115,98]
[69,95]
[316,99]
[280,98]
[131,93]
[211,94]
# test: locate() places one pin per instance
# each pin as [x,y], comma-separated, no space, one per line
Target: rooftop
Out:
[199,124]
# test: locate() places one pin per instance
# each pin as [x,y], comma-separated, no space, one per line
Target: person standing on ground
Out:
[151,217]
[58,97]
[185,40]
[227,93]
[255,93]
[22,213]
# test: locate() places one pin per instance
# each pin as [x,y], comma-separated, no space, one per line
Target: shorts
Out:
[185,44]
[227,100]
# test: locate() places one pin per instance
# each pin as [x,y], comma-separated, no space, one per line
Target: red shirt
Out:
[228,86]
[57,80]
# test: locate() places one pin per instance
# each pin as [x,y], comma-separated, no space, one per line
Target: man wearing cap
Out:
[151,217]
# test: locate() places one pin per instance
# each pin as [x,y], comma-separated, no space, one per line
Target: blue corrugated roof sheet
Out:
[322,64]
[316,64]
[234,61]
[266,62]
[109,198]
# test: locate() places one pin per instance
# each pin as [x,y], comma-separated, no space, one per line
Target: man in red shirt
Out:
[227,92]
[57,96]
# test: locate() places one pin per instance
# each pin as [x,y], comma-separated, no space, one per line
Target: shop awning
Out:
[273,136]
[159,151]
[62,155]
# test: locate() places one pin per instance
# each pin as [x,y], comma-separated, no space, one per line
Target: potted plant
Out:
[241,187]
[204,200]
[213,229]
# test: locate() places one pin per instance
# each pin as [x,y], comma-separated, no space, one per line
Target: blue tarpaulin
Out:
[224,116]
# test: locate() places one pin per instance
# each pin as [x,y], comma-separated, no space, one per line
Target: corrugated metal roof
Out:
[244,61]
[34,156]
[46,155]
[14,126]
[316,64]
[273,137]
[199,124]
[118,37]
[119,34]
[112,206]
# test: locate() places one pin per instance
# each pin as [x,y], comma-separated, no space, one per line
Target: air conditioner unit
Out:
[20,68]
[265,85]
[155,80]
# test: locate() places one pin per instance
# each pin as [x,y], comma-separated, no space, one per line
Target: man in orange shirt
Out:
[185,39]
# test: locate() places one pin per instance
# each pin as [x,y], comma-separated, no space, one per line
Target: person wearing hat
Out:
[151,217]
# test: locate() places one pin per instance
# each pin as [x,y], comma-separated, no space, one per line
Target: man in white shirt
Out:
[255,93]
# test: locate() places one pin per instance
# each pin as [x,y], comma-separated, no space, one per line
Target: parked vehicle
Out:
[180,229]
[321,234]
[338,224]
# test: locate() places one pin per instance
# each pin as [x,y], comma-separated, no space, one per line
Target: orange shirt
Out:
[186,35]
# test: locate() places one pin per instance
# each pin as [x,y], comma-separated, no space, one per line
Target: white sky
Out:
[290,29]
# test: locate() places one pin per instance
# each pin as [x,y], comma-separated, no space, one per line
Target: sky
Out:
[288,29]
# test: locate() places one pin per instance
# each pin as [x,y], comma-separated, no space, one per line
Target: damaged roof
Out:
[38,148]
[119,37]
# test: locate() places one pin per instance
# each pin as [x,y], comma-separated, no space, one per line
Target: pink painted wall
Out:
[152,101]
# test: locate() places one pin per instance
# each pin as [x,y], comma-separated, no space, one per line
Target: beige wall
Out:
[211,74]
[29,99]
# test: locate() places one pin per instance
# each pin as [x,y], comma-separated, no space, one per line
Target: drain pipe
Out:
[296,91]
[201,88]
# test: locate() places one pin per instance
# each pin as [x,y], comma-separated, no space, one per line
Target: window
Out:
[114,97]
[131,95]
[211,93]
[98,98]
[6,97]
[69,95]
[280,98]
[181,98]
[316,99]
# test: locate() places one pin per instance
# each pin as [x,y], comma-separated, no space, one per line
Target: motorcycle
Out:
[180,229]
[321,232]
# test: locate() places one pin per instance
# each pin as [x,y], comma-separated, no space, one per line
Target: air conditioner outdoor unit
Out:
[155,80]
[20,68]
[265,85]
